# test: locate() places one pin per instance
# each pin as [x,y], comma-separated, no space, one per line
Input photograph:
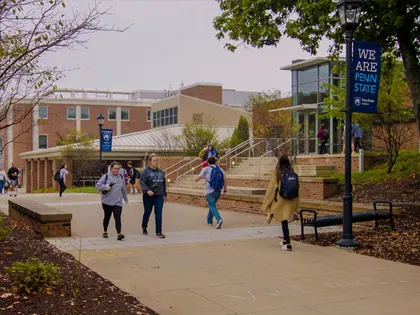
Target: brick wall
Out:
[411,128]
[335,160]
[205,92]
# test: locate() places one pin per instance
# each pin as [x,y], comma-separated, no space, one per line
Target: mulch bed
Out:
[96,295]
[402,245]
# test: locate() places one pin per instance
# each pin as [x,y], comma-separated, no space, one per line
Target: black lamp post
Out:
[349,12]
[100,120]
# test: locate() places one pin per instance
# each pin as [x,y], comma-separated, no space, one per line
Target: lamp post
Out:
[349,12]
[100,120]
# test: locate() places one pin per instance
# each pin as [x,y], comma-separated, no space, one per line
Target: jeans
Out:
[149,203]
[323,149]
[108,211]
[63,186]
[285,228]
[1,186]
[213,212]
[357,146]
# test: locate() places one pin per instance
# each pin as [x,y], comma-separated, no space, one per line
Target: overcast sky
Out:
[171,41]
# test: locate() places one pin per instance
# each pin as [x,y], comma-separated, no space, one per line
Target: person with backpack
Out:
[134,176]
[323,135]
[215,183]
[113,190]
[281,199]
[357,134]
[153,184]
[13,175]
[3,179]
[60,177]
[202,153]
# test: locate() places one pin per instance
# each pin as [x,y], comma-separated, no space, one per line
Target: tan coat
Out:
[282,209]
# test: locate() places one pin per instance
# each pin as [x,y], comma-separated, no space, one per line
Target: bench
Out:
[44,220]
[316,221]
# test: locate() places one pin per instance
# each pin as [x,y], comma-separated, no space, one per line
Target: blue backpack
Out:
[289,187]
[217,180]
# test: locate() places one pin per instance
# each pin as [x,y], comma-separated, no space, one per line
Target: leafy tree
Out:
[243,129]
[30,30]
[234,140]
[394,109]
[194,135]
[393,23]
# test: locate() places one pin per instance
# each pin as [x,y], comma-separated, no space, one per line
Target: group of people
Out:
[207,152]
[324,136]
[9,183]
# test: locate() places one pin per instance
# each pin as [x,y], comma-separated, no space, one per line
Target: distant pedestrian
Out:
[153,185]
[215,181]
[281,199]
[357,134]
[323,135]
[13,175]
[62,180]
[114,190]
[134,176]
[3,179]
[212,152]
[205,152]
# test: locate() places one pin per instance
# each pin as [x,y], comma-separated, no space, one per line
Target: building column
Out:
[28,187]
[68,160]
[54,170]
[32,174]
[118,121]
[9,139]
[35,133]
[38,174]
[48,173]
[78,118]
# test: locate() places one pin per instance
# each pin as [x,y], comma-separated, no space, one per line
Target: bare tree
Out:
[29,30]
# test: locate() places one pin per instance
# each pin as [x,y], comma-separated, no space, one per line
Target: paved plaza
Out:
[240,269]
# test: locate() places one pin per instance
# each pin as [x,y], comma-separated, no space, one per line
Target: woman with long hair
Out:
[278,207]
[153,184]
[113,189]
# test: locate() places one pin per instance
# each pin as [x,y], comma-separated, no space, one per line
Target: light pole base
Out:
[347,242]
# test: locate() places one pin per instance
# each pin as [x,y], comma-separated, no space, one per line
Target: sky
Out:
[169,42]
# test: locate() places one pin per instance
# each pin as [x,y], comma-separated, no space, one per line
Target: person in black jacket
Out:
[153,184]
[13,175]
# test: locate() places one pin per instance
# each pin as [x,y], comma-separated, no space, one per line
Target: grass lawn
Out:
[86,190]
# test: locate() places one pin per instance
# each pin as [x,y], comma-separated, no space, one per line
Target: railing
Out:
[189,165]
[166,170]
[232,150]
[295,145]
[250,150]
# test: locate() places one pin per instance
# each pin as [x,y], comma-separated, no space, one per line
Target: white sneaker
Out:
[287,247]
[219,225]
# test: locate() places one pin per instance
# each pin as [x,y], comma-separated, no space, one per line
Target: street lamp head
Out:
[100,119]
[349,12]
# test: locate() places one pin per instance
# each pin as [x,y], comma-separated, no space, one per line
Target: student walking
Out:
[323,135]
[134,176]
[13,175]
[281,199]
[357,134]
[114,189]
[3,179]
[62,179]
[153,184]
[215,182]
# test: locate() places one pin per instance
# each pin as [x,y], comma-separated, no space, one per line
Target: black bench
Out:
[329,220]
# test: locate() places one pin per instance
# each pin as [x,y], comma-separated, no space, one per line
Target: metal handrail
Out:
[173,165]
[181,167]
[189,171]
[248,149]
[230,151]
[279,146]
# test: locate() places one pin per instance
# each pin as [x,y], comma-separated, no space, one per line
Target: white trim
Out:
[296,108]
[95,102]
[35,128]
[67,113]
[78,121]
[128,114]
[10,138]
[88,113]
[309,63]
[118,114]
[46,135]
[116,110]
[149,111]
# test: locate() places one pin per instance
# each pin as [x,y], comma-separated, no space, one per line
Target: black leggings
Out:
[63,186]
[286,234]
[108,211]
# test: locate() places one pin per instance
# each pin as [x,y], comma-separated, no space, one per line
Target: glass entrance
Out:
[307,132]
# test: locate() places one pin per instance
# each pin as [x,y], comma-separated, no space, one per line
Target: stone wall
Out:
[335,160]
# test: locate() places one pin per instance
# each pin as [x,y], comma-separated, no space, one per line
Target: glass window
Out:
[308,93]
[166,120]
[43,112]
[294,77]
[84,114]
[112,114]
[324,71]
[71,112]
[308,75]
[323,90]
[294,95]
[42,141]
[171,111]
[125,114]
[176,119]
[171,120]
[148,115]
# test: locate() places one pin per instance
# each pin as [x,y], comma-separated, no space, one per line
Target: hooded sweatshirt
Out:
[116,193]
[154,180]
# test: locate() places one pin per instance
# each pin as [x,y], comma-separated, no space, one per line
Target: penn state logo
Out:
[357,101]
[107,137]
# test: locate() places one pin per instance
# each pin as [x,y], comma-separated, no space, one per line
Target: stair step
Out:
[231,190]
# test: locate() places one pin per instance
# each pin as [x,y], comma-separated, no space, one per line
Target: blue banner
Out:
[366,77]
[106,140]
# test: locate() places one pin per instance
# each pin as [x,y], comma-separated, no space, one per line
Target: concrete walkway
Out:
[240,269]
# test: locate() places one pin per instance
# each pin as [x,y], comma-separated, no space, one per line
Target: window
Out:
[308,75]
[148,115]
[165,117]
[42,141]
[112,114]
[324,71]
[125,114]
[43,112]
[84,114]
[71,112]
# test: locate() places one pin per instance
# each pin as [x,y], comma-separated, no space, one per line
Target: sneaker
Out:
[105,235]
[145,232]
[15,195]
[219,224]
[160,235]
[210,224]
[287,247]
[120,237]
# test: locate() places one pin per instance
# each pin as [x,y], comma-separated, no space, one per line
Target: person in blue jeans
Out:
[153,184]
[212,196]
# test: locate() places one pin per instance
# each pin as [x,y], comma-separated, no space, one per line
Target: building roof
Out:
[308,63]
[153,140]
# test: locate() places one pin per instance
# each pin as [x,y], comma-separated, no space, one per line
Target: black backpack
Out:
[57,176]
[289,186]
[325,135]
